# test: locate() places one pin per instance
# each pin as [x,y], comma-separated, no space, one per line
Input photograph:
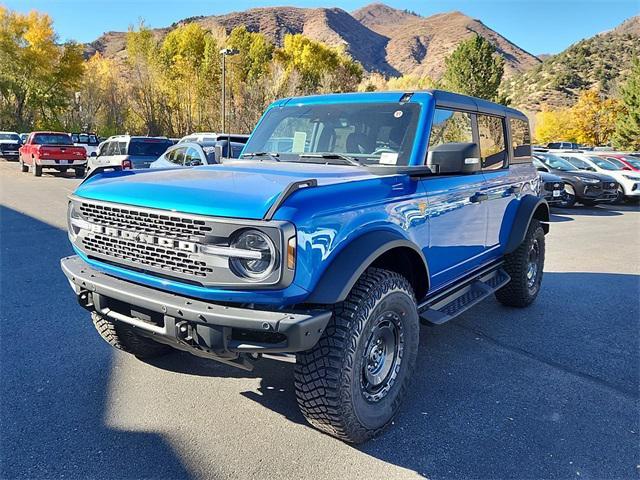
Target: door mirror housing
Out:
[93,154]
[542,169]
[454,158]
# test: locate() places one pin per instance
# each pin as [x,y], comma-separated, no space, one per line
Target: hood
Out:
[235,189]
[10,141]
[582,173]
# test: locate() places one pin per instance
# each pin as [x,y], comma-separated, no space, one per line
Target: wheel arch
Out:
[382,249]
[531,207]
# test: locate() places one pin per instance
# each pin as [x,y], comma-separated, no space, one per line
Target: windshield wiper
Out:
[272,155]
[333,156]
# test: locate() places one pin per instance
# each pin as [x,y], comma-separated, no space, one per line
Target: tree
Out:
[473,68]
[593,118]
[554,125]
[627,130]
[320,67]
[37,75]
[411,82]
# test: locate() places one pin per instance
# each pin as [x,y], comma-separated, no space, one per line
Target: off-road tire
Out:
[519,292]
[124,337]
[80,172]
[329,377]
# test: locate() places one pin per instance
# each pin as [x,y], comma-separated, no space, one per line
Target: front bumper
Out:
[220,332]
[9,154]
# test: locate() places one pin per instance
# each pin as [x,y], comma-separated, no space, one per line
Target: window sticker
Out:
[397,113]
[299,140]
[388,158]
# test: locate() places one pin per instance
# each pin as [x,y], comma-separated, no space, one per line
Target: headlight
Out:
[631,177]
[588,180]
[257,266]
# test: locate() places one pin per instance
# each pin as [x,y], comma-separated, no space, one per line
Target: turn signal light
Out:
[291,253]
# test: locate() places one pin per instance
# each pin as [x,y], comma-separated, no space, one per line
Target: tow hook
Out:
[184,331]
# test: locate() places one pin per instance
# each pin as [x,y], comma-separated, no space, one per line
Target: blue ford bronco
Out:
[348,220]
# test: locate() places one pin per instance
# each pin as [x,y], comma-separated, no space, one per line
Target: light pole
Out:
[225,52]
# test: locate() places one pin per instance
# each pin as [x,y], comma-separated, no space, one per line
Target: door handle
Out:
[479,197]
[516,188]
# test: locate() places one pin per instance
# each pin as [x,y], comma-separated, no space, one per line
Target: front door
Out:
[457,215]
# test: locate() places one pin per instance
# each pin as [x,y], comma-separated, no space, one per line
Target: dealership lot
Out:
[550,391]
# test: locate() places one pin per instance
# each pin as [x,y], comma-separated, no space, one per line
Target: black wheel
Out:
[525,266]
[80,172]
[619,195]
[23,168]
[569,199]
[36,169]
[351,384]
[123,337]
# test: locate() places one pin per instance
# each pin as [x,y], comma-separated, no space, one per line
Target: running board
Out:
[450,304]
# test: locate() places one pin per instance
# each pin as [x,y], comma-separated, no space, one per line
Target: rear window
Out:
[52,139]
[148,147]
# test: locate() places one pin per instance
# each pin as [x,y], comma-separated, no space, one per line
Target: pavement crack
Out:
[633,395]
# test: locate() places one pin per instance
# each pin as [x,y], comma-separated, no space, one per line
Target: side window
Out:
[121,149]
[192,157]
[493,149]
[107,149]
[449,126]
[520,140]
[178,156]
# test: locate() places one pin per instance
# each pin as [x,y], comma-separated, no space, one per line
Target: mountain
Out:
[600,61]
[418,45]
[383,39]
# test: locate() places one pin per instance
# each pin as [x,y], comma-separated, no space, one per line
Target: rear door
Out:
[457,219]
[503,184]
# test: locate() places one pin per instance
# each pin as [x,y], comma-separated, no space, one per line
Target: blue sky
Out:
[538,26]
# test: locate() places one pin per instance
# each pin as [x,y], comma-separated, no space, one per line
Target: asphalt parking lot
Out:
[551,391]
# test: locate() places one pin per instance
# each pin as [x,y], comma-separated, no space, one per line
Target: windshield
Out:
[579,164]
[148,147]
[634,162]
[604,164]
[373,133]
[556,162]
[10,136]
[52,139]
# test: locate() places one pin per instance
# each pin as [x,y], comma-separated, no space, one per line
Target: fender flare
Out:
[530,207]
[348,265]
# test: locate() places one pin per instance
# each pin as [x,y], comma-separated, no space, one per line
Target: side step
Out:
[451,303]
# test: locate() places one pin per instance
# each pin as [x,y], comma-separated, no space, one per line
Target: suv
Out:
[10,143]
[126,151]
[87,140]
[585,187]
[388,209]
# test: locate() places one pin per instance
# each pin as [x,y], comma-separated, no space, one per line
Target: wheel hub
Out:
[382,356]
[532,263]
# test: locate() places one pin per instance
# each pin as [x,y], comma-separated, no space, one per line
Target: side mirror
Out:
[591,169]
[195,163]
[93,154]
[626,168]
[542,169]
[454,158]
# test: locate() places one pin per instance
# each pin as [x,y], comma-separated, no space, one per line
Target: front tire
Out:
[569,199]
[351,384]
[525,267]
[124,337]
[80,172]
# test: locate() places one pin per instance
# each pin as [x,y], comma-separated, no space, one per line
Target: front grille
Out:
[143,255]
[160,224]
[166,243]
[550,186]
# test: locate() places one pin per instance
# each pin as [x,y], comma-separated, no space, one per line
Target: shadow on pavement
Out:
[550,391]
[56,370]
[544,392]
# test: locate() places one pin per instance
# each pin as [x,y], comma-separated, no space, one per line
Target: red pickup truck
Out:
[54,150]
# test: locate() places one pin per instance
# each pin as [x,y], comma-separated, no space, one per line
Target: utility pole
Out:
[225,52]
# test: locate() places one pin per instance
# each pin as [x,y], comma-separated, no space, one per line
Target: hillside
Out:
[602,60]
[383,39]
[418,45]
